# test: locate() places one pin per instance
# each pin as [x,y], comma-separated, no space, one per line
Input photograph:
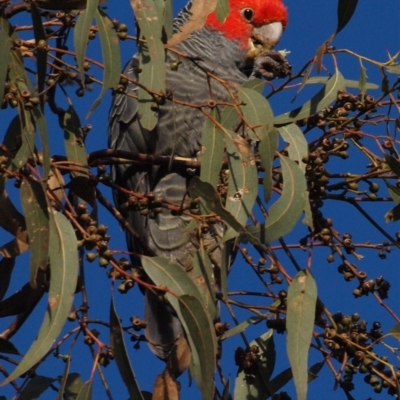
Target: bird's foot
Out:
[272,64]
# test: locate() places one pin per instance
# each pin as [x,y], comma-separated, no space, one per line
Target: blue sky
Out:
[372,32]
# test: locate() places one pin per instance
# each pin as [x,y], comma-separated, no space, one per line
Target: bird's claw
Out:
[271,64]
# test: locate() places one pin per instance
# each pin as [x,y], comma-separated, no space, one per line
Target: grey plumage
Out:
[177,133]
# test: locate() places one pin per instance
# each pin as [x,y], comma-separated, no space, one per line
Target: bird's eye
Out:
[247,14]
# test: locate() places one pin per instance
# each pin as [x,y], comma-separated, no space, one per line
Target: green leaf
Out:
[306,80]
[73,386]
[6,269]
[225,394]
[26,149]
[300,315]
[212,150]
[151,59]
[349,83]
[41,54]
[202,275]
[12,221]
[34,205]
[5,44]
[148,78]
[64,272]
[63,379]
[81,33]
[111,55]
[255,386]
[393,69]
[280,380]
[222,10]
[118,347]
[187,303]
[86,392]
[395,332]
[241,327]
[362,82]
[394,214]
[7,347]
[321,100]
[298,146]
[242,184]
[285,212]
[168,18]
[394,164]
[41,124]
[345,11]
[201,336]
[212,201]
[256,112]
[267,148]
[74,141]
[35,387]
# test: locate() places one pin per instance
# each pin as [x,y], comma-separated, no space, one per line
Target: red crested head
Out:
[247,17]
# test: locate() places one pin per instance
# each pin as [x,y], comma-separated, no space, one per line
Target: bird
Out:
[235,50]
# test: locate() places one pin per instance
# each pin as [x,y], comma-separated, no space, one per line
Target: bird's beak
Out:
[264,38]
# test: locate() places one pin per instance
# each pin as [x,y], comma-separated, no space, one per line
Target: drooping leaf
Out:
[64,271]
[241,327]
[255,385]
[207,192]
[41,54]
[63,379]
[298,146]
[13,222]
[394,164]
[306,80]
[6,268]
[225,394]
[7,347]
[199,12]
[286,211]
[393,69]
[242,183]
[86,391]
[212,150]
[349,83]
[300,315]
[41,125]
[362,82]
[201,336]
[151,59]
[280,380]
[73,386]
[267,148]
[395,332]
[393,214]
[34,204]
[35,387]
[74,141]
[318,102]
[187,303]
[222,10]
[168,18]
[81,34]
[21,302]
[345,11]
[26,149]
[5,44]
[111,55]
[202,275]
[257,113]
[118,347]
